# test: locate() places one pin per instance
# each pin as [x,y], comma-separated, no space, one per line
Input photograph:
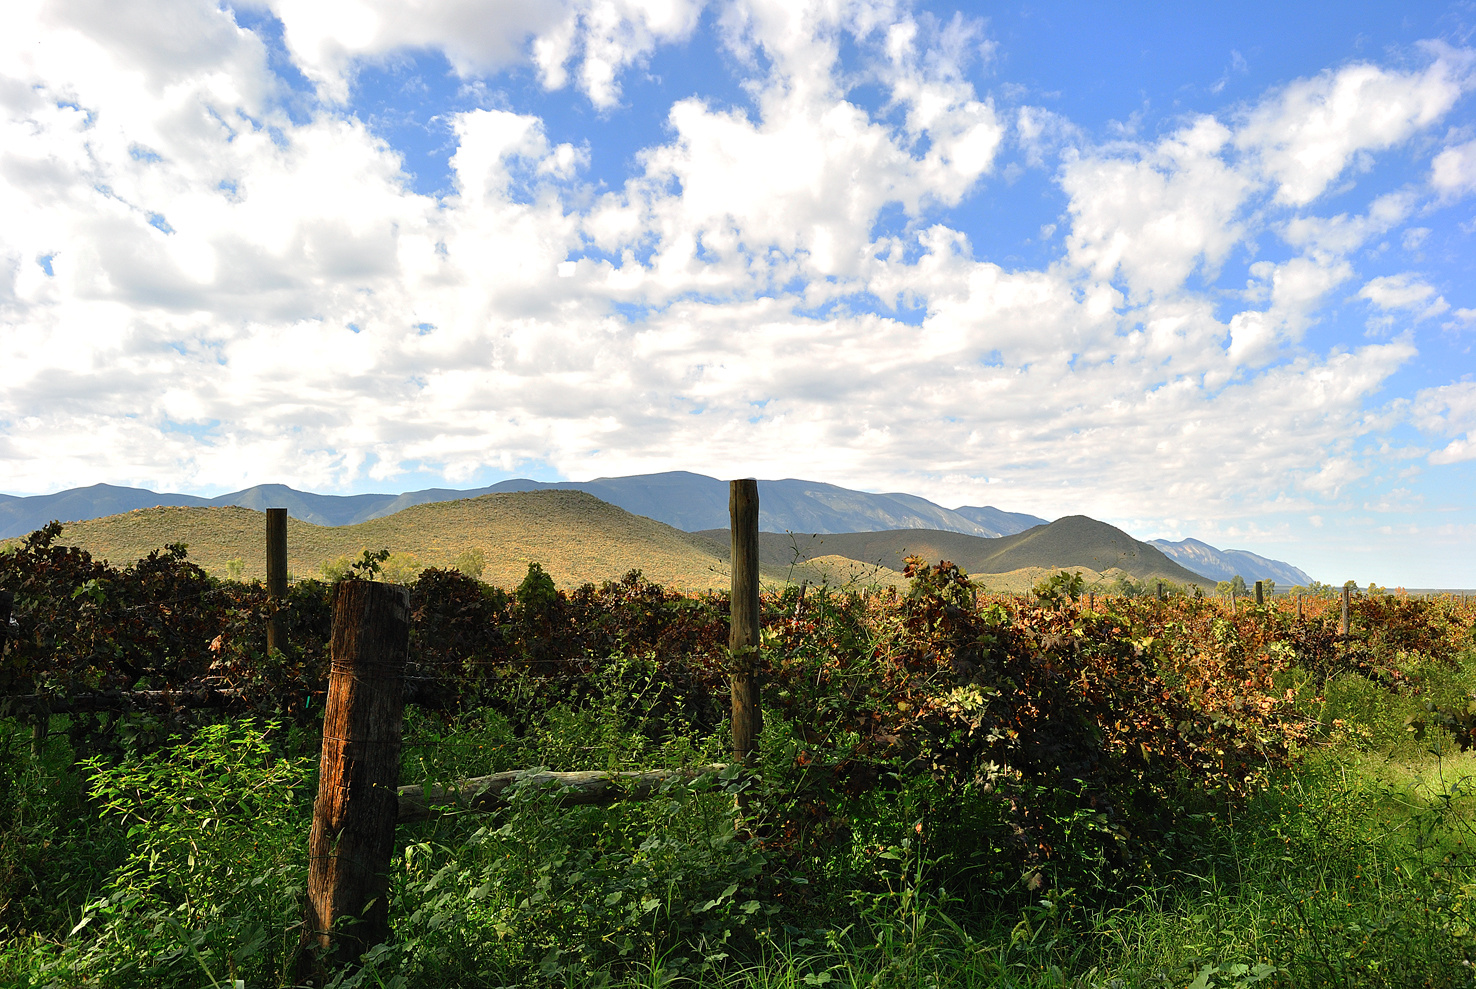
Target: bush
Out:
[216,866]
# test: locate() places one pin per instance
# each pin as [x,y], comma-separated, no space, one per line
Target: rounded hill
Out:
[573,535]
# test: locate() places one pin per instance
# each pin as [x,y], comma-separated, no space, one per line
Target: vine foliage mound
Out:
[1074,735]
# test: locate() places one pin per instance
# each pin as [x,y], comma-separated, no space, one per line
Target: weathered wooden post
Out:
[743,633]
[1160,590]
[276,575]
[1260,595]
[1346,595]
[1299,606]
[353,830]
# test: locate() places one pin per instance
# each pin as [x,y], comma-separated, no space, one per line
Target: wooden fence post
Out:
[1299,606]
[1260,595]
[743,634]
[353,831]
[276,574]
[1346,595]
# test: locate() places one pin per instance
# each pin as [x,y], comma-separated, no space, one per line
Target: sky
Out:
[1196,270]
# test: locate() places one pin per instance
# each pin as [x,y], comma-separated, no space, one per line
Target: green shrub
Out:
[216,866]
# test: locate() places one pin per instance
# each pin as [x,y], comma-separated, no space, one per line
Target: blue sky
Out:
[1199,271]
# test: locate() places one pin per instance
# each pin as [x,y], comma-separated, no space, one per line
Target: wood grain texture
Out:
[743,635]
[276,568]
[354,818]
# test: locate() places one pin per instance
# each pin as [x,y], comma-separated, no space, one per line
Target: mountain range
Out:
[681,499]
[1073,541]
[1225,564]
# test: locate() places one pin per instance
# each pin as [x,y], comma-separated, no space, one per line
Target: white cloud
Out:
[311,319]
[605,37]
[1341,235]
[1453,172]
[1448,410]
[1307,136]
[1156,214]
[1405,293]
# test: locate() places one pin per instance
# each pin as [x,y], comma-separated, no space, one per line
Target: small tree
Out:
[1054,592]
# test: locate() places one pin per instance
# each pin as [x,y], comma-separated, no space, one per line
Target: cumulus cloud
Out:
[1453,172]
[1156,214]
[604,37]
[201,289]
[1449,410]
[1310,133]
[1404,293]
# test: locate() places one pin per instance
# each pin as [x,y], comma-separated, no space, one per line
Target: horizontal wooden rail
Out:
[484,793]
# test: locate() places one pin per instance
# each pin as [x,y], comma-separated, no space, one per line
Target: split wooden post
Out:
[1346,596]
[1260,595]
[743,634]
[1160,590]
[276,574]
[353,830]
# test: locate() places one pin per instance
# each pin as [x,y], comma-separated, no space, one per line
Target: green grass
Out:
[1355,868]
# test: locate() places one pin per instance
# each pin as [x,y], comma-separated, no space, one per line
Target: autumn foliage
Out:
[1033,723]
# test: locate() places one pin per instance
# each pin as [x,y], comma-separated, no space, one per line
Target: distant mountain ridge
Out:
[684,500]
[680,499]
[1226,564]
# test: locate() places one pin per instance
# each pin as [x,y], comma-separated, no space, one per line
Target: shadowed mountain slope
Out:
[1074,541]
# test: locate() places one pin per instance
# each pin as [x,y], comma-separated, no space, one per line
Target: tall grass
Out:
[184,867]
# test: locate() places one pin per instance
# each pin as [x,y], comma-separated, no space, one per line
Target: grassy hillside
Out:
[578,538]
[1072,542]
[575,536]
[1080,541]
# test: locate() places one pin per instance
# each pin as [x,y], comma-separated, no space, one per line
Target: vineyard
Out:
[951,788]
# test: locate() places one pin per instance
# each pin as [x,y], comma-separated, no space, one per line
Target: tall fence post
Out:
[353,829]
[1346,596]
[1299,606]
[276,575]
[1260,595]
[743,634]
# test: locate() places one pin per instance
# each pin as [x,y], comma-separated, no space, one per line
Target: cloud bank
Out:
[211,279]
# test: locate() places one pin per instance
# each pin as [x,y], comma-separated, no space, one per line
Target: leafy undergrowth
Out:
[1354,870]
